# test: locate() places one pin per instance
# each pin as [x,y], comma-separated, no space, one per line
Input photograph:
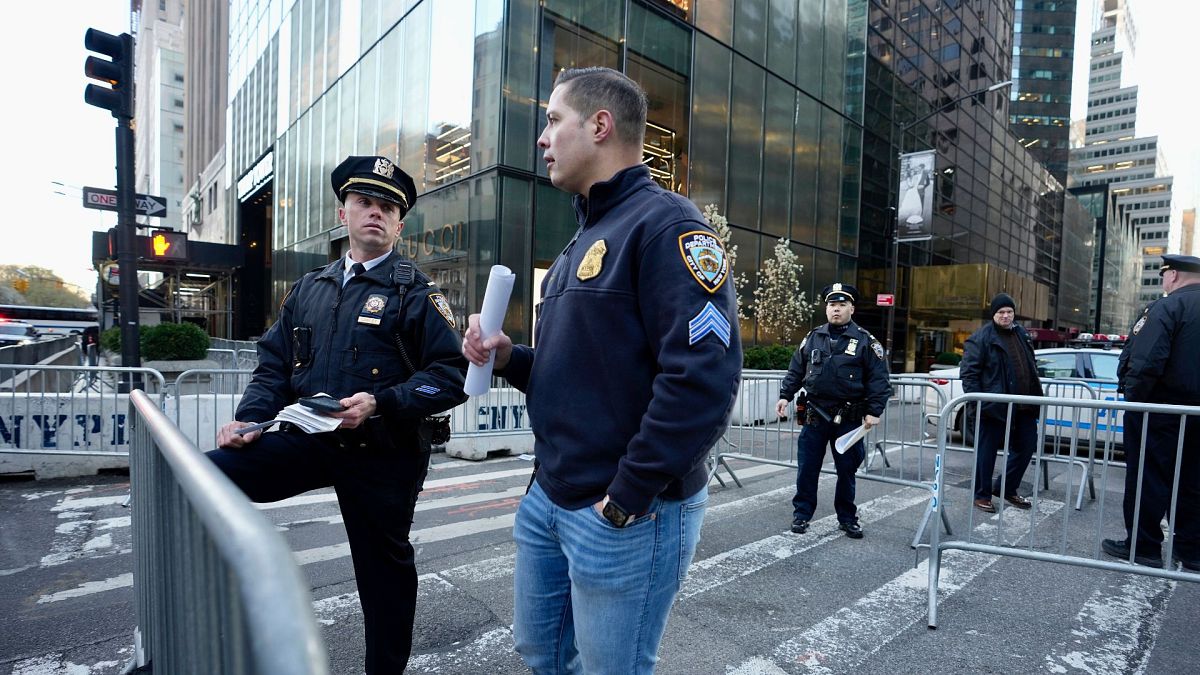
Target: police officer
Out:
[372,331]
[844,374]
[1158,366]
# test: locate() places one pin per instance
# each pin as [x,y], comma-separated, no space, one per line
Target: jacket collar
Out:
[603,196]
[823,329]
[381,273]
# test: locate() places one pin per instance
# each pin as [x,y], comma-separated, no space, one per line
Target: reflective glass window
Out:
[781,40]
[777,157]
[450,91]
[750,29]
[660,61]
[804,170]
[710,123]
[746,143]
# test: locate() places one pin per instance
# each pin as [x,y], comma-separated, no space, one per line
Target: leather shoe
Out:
[852,529]
[1120,549]
[1018,501]
[985,505]
[799,526]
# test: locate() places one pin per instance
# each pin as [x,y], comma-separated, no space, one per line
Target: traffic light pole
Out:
[126,243]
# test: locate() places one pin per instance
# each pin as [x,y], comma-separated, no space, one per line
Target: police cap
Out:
[839,293]
[377,177]
[1179,263]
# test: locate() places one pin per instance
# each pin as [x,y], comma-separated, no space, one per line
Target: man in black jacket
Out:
[373,332]
[845,379]
[999,359]
[1157,366]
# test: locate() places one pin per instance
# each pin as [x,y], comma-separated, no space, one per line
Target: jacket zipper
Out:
[329,355]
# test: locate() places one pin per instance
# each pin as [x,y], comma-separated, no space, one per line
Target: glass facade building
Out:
[756,106]
[1043,57]
[998,220]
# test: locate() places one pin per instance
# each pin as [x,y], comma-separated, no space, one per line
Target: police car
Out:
[16,333]
[1091,358]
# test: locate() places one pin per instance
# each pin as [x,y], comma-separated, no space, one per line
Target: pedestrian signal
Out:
[168,245]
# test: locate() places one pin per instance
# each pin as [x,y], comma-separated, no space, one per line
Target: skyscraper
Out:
[1113,153]
[1043,53]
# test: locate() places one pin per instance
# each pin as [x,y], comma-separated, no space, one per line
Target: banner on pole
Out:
[914,216]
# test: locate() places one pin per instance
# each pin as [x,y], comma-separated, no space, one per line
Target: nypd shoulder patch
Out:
[877,348]
[705,258]
[443,307]
[1137,327]
[708,321]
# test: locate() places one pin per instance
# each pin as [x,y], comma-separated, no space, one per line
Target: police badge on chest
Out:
[372,310]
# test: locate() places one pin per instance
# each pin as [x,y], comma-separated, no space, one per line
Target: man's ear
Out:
[342,214]
[605,125]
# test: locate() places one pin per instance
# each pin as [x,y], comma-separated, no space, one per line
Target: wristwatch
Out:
[615,514]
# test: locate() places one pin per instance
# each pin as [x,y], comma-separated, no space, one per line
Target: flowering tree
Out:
[721,224]
[778,305]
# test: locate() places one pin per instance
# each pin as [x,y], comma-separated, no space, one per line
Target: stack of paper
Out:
[309,421]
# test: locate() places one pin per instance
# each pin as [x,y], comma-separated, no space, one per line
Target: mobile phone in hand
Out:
[322,404]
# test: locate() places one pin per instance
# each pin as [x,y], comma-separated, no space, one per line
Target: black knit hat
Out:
[1001,301]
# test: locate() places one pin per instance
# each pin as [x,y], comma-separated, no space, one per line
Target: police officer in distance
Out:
[1157,366]
[371,330]
[844,375]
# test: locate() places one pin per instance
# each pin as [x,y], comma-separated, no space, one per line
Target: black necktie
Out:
[357,269]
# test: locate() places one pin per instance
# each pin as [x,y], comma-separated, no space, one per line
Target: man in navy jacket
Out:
[635,373]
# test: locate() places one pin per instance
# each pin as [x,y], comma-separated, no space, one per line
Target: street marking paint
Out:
[90,587]
[483,654]
[842,641]
[1116,630]
[728,566]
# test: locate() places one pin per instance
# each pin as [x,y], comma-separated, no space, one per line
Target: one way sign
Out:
[106,200]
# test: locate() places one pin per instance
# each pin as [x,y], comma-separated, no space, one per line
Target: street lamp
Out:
[891,318]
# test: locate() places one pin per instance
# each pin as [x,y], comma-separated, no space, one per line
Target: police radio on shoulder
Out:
[322,404]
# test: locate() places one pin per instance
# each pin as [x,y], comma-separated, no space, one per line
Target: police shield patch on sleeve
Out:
[877,348]
[709,321]
[705,258]
[1137,327]
[443,307]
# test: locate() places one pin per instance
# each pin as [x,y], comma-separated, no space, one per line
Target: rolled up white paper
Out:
[491,320]
[849,438]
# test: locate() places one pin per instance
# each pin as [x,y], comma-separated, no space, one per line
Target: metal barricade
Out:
[1047,532]
[203,400]
[757,435]
[225,358]
[246,358]
[69,410]
[217,589]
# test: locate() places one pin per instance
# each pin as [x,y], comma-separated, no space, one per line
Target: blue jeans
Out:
[815,436]
[592,598]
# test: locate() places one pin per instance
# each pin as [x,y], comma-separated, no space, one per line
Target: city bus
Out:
[54,321]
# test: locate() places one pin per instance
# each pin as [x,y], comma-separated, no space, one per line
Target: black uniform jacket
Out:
[850,369]
[987,368]
[1158,364]
[341,341]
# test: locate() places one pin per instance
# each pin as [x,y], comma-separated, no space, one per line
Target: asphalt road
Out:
[758,599]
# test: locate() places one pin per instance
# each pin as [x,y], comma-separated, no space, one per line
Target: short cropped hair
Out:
[593,89]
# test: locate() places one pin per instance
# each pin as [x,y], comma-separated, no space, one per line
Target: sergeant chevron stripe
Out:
[709,320]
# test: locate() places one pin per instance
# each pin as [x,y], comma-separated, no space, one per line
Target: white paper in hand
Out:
[491,319]
[849,438]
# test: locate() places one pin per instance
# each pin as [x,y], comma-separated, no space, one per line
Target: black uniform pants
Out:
[377,481]
[818,434]
[1021,441]
[1162,441]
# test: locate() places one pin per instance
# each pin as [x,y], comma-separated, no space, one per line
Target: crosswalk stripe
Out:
[1115,630]
[843,640]
[89,587]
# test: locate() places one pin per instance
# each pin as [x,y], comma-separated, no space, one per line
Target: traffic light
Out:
[168,245]
[116,70]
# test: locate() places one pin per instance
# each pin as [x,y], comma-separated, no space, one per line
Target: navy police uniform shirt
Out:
[638,357]
[341,341]
[839,369]
[1158,362]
